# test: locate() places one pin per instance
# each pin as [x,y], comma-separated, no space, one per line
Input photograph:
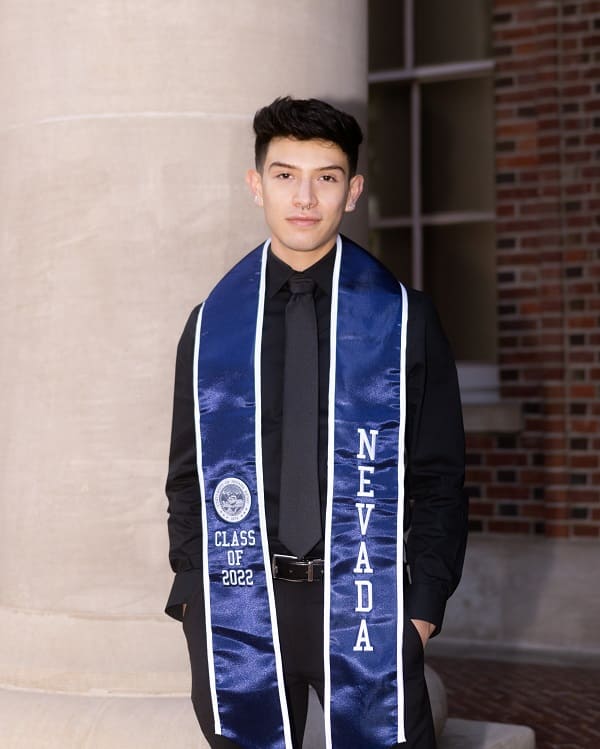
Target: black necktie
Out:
[299,504]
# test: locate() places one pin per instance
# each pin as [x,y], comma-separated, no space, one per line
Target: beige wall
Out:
[124,138]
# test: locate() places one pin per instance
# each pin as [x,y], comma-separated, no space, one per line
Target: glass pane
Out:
[452,31]
[393,248]
[389,154]
[457,147]
[459,273]
[386,34]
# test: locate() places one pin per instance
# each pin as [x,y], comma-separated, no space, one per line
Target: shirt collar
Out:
[279,273]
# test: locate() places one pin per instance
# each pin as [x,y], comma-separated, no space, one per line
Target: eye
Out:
[283,175]
[328,178]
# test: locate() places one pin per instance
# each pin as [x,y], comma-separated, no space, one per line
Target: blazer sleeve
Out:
[435,449]
[182,487]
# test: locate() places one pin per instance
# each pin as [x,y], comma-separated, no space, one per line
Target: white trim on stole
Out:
[328,515]
[205,576]
[400,521]
[260,492]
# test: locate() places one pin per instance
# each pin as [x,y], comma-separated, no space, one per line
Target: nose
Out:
[305,197]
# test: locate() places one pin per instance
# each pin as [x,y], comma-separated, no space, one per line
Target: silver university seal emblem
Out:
[232,500]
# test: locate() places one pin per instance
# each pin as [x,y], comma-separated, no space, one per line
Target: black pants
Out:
[300,621]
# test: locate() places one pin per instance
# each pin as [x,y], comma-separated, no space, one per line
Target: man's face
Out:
[304,188]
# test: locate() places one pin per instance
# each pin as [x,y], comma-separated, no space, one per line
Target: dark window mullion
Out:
[415,158]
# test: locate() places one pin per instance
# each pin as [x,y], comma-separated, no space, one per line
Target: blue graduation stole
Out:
[363,616]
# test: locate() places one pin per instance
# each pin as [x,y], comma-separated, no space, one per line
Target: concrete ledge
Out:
[519,652]
[526,593]
[41,720]
[472,734]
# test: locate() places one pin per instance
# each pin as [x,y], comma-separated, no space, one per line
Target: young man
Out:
[316,420]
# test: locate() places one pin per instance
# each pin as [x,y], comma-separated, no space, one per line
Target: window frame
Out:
[479,381]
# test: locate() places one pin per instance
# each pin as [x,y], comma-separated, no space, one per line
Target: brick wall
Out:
[545,479]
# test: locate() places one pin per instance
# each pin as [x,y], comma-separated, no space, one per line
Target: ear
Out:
[354,190]
[254,182]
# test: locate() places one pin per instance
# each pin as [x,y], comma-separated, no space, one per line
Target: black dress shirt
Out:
[436,513]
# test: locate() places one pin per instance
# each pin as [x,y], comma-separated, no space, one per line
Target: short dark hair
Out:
[306,119]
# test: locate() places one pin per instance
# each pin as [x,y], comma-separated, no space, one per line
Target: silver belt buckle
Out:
[311,566]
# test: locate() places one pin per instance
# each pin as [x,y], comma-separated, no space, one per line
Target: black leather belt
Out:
[297,570]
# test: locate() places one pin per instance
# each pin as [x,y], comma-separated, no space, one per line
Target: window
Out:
[431,167]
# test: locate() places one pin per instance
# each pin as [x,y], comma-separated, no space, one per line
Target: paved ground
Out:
[561,703]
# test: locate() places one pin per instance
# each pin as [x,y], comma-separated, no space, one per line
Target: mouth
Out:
[303,220]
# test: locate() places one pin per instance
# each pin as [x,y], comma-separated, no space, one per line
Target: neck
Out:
[300,260]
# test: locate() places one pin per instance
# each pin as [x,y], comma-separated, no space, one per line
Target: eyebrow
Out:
[328,168]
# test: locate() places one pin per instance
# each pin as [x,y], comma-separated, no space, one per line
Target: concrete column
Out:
[125,132]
